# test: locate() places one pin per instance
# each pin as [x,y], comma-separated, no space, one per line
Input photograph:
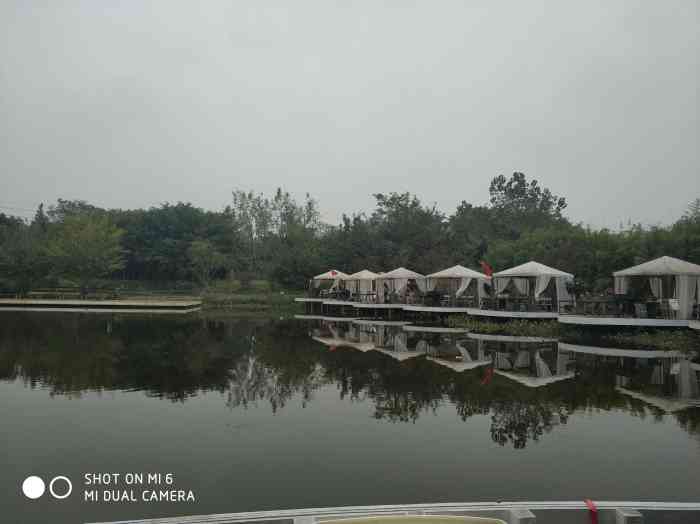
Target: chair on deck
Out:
[640,310]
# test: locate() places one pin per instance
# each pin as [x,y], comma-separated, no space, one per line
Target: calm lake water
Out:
[254,415]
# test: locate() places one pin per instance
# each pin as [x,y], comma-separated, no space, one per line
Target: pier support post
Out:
[628,516]
[520,516]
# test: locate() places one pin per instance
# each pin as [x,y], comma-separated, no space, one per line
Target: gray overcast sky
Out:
[130,104]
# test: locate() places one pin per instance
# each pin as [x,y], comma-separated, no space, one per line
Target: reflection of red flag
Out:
[332,348]
[333,272]
[488,270]
[487,376]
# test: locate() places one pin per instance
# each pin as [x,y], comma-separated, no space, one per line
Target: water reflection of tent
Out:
[687,378]
[660,366]
[457,357]
[523,359]
[668,405]
[341,342]
[399,349]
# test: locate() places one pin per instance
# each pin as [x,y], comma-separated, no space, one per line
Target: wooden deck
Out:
[137,305]
[434,309]
[586,320]
[511,314]
[509,338]
[591,320]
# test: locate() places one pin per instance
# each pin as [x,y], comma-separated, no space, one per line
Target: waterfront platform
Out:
[583,320]
[363,305]
[509,338]
[433,309]
[476,312]
[137,305]
[591,320]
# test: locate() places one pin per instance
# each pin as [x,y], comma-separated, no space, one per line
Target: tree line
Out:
[277,238]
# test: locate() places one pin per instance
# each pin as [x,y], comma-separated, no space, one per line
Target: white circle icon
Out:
[33,487]
[69,490]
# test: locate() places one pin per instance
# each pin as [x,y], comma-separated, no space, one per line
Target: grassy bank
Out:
[259,302]
[258,297]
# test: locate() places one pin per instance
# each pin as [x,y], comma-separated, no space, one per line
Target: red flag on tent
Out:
[488,270]
[592,510]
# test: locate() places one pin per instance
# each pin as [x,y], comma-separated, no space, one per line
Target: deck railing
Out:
[525,305]
[621,307]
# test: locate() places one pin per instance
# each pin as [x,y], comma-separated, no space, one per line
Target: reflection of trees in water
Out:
[251,380]
[689,420]
[276,365]
[517,422]
[73,353]
[400,392]
[268,361]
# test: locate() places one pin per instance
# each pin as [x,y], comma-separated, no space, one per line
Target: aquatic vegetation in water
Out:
[685,341]
[662,340]
[520,328]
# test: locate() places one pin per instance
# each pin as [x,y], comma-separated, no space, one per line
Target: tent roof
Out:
[532,269]
[458,272]
[331,274]
[661,266]
[365,274]
[400,272]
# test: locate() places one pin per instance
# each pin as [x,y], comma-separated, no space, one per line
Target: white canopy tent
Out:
[332,275]
[396,282]
[542,274]
[463,276]
[686,276]
[362,282]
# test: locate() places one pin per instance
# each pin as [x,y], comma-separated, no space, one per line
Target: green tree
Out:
[23,258]
[67,208]
[524,205]
[409,233]
[205,260]
[85,248]
[41,220]
[692,213]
